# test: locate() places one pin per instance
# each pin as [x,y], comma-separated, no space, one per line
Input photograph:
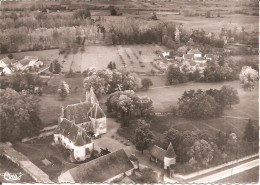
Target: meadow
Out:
[135,57]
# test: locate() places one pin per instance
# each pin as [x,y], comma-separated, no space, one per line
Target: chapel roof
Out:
[170,153]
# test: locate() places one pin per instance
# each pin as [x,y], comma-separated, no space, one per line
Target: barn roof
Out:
[199,58]
[188,56]
[100,169]
[158,152]
[209,55]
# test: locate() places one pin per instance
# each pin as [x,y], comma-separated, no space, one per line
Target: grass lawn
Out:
[164,99]
[99,56]
[42,149]
[248,176]
[8,166]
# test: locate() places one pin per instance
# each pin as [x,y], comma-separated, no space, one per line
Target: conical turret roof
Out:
[79,139]
[170,153]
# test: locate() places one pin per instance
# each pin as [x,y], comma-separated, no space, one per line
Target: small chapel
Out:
[75,124]
[166,158]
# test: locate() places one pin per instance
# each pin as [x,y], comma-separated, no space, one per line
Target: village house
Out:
[166,158]
[106,168]
[6,66]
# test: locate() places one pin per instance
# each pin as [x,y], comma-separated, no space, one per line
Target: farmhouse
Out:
[103,169]
[75,139]
[87,115]
[5,66]
[167,158]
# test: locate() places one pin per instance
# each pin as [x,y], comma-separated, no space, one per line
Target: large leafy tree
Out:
[143,135]
[127,104]
[145,105]
[248,77]
[97,83]
[200,106]
[229,95]
[202,152]
[174,75]
[146,83]
[19,115]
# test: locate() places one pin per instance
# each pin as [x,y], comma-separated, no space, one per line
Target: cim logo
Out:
[11,176]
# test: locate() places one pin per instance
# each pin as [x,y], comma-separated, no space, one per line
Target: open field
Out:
[99,56]
[164,99]
[248,176]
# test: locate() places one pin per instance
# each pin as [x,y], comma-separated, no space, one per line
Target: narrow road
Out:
[228,172]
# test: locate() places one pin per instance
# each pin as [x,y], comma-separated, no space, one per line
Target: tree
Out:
[82,14]
[154,17]
[19,115]
[249,133]
[202,152]
[10,56]
[97,83]
[63,90]
[248,77]
[174,75]
[148,176]
[145,105]
[229,95]
[146,83]
[200,105]
[173,136]
[25,81]
[143,135]
[113,11]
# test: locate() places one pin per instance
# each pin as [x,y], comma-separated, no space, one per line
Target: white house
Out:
[75,139]
[103,169]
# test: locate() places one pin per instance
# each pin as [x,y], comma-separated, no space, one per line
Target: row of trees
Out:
[127,105]
[108,81]
[206,104]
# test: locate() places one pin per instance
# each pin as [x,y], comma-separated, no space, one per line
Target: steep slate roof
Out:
[24,62]
[70,131]
[96,112]
[194,51]
[188,56]
[170,153]
[77,112]
[91,95]
[209,55]
[102,168]
[158,152]
[199,58]
[7,60]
